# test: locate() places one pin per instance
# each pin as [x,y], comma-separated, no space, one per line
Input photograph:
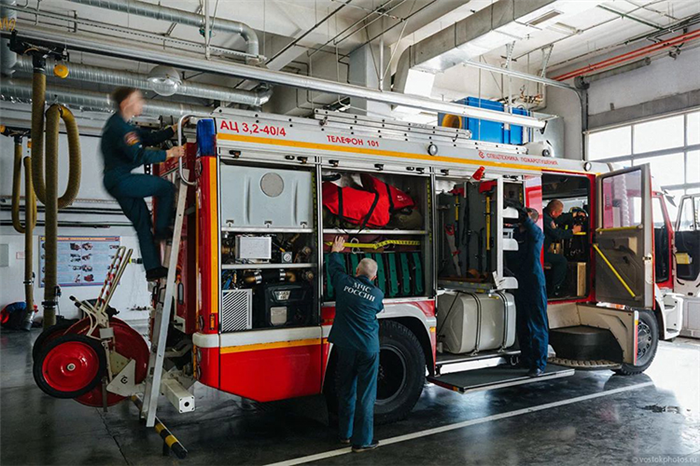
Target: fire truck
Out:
[266,194]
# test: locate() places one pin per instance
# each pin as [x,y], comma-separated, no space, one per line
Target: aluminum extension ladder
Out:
[163,311]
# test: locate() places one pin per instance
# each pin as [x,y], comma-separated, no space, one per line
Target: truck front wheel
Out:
[647,344]
[401,372]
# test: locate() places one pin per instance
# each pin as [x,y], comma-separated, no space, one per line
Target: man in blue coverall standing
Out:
[124,149]
[531,296]
[355,338]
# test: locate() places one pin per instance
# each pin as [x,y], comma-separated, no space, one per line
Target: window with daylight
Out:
[670,145]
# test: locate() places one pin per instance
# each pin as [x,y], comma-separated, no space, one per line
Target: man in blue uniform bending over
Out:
[531,296]
[355,338]
[124,149]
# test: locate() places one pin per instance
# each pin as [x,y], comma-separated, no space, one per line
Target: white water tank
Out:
[474,321]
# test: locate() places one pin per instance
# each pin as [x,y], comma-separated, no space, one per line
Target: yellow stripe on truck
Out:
[387,153]
[268,346]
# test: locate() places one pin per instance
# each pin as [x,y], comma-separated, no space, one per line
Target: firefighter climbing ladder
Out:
[163,309]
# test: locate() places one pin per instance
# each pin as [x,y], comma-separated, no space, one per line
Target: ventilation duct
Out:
[101,75]
[488,29]
[173,15]
[9,18]
[187,61]
[11,90]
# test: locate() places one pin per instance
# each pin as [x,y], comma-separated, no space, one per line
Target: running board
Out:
[495,377]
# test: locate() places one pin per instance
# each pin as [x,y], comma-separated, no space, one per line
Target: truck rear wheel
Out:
[647,344]
[401,372]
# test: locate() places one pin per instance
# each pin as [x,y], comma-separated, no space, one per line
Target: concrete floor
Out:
[590,418]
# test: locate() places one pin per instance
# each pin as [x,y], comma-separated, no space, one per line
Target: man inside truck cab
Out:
[355,338]
[553,219]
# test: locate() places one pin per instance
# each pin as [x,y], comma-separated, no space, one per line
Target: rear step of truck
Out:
[495,377]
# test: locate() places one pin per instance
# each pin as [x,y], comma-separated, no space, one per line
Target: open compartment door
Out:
[687,254]
[623,244]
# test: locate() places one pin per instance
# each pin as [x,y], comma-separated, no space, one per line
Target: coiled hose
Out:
[29,223]
[46,184]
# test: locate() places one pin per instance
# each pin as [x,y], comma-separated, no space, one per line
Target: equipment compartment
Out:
[385,217]
[269,246]
[467,232]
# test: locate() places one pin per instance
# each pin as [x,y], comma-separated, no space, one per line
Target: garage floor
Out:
[590,418]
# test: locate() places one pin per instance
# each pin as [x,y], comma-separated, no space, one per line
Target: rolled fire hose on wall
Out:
[46,181]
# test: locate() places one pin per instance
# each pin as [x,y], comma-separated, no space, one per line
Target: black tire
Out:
[648,343]
[89,346]
[48,335]
[401,372]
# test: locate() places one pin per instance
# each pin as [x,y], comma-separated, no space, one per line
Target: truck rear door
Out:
[624,266]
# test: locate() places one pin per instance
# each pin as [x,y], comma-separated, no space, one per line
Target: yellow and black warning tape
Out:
[379,245]
[169,440]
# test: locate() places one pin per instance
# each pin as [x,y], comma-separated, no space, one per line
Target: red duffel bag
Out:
[356,206]
[397,199]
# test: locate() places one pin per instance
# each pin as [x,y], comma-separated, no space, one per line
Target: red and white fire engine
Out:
[253,307]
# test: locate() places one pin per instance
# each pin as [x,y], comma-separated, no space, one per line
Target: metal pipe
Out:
[101,75]
[639,53]
[191,62]
[92,101]
[174,15]
[207,30]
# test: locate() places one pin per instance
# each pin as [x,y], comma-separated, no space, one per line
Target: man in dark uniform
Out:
[531,296]
[124,149]
[553,218]
[355,338]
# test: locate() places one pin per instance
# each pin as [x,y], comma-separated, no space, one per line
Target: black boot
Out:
[156,274]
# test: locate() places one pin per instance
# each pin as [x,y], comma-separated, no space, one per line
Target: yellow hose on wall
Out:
[45,177]
[29,220]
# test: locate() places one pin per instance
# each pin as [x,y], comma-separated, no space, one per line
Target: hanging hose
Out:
[29,224]
[46,184]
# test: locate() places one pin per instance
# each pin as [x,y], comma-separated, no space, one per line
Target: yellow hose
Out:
[46,184]
[29,192]
[29,220]
[38,99]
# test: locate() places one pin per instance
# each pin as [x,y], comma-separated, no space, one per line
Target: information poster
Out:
[82,260]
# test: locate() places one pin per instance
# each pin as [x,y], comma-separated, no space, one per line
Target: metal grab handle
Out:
[180,168]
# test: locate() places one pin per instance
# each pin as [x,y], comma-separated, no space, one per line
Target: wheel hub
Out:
[644,339]
[70,366]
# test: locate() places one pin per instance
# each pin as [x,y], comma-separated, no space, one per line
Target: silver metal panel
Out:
[266,197]
[237,310]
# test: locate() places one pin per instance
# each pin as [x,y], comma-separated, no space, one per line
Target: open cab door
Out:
[623,244]
[687,253]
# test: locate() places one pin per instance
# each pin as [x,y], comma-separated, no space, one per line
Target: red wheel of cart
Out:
[70,366]
[49,335]
[128,343]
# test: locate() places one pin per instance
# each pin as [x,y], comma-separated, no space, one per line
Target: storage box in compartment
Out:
[266,197]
